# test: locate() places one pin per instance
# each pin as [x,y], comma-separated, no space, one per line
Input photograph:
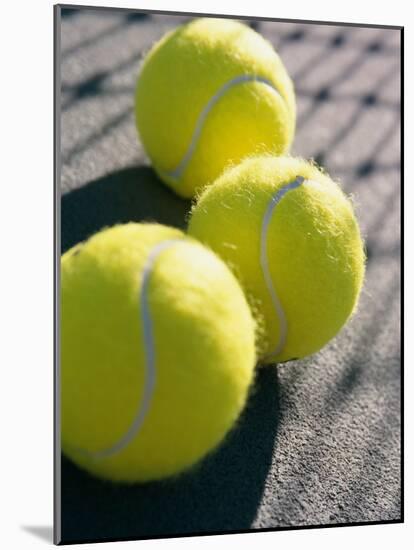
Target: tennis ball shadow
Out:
[131,194]
[220,494]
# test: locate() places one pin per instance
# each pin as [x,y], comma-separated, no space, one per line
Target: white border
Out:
[26,206]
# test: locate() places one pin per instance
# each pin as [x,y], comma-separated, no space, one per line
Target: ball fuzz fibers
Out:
[157,352]
[210,93]
[293,240]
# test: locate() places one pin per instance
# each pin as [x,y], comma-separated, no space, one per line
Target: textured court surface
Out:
[319,442]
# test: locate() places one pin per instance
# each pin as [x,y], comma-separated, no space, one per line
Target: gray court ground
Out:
[319,441]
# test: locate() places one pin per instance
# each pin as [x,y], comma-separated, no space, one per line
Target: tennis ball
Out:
[157,352]
[291,236]
[210,93]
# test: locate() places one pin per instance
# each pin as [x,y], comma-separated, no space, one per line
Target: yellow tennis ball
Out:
[210,93]
[157,352]
[292,238]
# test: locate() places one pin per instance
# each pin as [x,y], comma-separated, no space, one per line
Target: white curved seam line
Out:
[149,347]
[179,170]
[275,200]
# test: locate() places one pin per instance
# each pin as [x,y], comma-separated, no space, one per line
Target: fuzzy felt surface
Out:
[313,248]
[202,342]
[179,77]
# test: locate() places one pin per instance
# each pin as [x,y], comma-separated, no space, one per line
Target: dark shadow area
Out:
[366,101]
[254,24]
[92,40]
[131,194]
[378,252]
[44,532]
[222,493]
[295,36]
[90,87]
[389,205]
[110,126]
[349,379]
[132,18]
[374,47]
[365,169]
[136,17]
[66,13]
[338,40]
[94,85]
[319,158]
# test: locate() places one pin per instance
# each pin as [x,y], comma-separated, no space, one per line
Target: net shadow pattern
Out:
[325,445]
